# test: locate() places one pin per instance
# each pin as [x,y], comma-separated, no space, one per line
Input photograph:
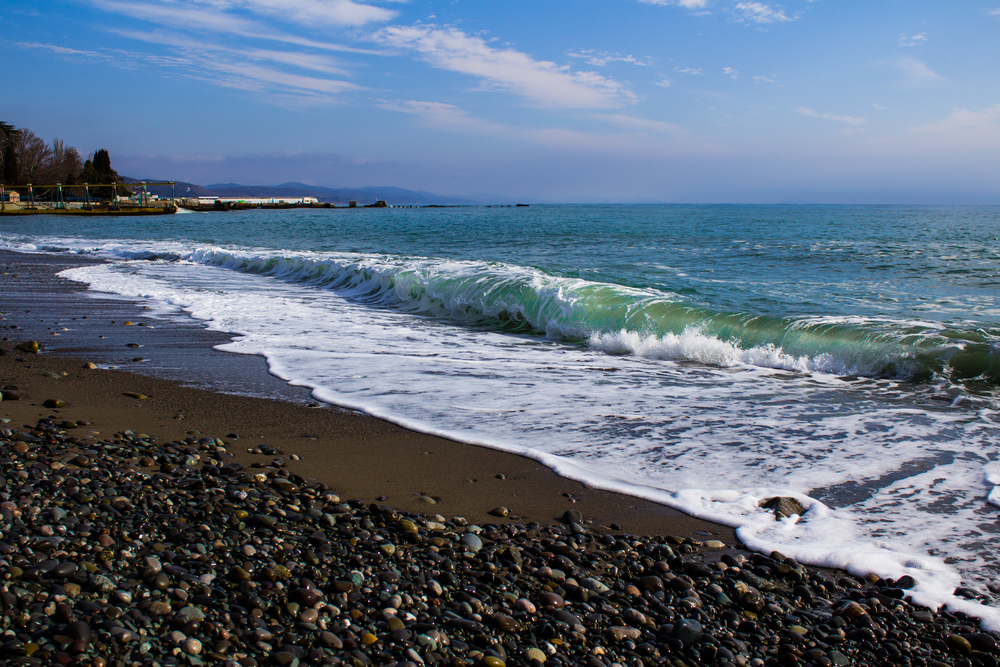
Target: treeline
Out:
[27,159]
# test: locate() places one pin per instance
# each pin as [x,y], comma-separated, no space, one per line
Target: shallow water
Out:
[701,356]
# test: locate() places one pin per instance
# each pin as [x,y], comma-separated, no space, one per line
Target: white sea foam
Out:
[694,345]
[712,440]
[688,420]
[993,479]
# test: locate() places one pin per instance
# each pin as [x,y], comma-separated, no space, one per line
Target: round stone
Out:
[688,630]
[191,646]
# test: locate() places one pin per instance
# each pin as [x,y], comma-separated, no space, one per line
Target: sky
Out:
[729,101]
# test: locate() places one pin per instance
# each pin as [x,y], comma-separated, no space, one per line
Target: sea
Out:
[707,357]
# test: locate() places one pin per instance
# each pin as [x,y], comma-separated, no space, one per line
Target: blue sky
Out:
[840,101]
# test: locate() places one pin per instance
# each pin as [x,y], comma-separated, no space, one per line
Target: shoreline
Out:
[184,377]
[182,525]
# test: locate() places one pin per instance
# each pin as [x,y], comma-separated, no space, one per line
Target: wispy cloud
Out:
[763,79]
[642,124]
[643,137]
[226,67]
[688,4]
[913,40]
[541,82]
[447,116]
[65,51]
[269,75]
[197,18]
[230,15]
[964,131]
[731,72]
[750,11]
[313,12]
[663,83]
[850,120]
[966,123]
[307,61]
[759,12]
[688,70]
[915,71]
[995,12]
[602,58]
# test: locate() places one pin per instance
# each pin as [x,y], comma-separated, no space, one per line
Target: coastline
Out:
[192,387]
[267,529]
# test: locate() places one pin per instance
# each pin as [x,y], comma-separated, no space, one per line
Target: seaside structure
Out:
[261,201]
[66,199]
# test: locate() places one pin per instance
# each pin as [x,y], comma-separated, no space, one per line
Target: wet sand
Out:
[192,389]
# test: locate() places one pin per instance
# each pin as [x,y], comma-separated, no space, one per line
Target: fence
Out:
[55,196]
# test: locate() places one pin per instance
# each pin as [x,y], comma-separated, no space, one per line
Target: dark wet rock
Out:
[783,507]
[572,516]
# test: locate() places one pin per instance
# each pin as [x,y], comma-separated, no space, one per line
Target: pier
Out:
[64,199]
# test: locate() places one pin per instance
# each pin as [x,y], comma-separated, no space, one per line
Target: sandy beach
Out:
[168,504]
[356,455]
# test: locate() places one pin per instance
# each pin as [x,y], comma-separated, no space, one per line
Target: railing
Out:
[61,200]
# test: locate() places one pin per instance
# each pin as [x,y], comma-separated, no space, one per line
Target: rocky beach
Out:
[148,517]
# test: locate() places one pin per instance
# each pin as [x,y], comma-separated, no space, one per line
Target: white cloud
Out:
[914,40]
[65,51]
[688,4]
[916,71]
[200,49]
[544,83]
[322,12]
[995,12]
[219,14]
[758,12]
[179,16]
[965,128]
[688,70]
[267,75]
[663,83]
[642,124]
[745,10]
[231,68]
[763,79]
[850,120]
[731,72]
[447,116]
[636,142]
[602,58]
[880,107]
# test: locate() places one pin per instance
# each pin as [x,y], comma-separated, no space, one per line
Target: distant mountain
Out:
[180,189]
[365,195]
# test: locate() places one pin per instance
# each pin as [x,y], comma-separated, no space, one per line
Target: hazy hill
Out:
[364,195]
[181,189]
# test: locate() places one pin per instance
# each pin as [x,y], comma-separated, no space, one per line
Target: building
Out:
[257,201]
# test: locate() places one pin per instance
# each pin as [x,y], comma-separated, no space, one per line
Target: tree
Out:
[102,163]
[70,166]
[66,163]
[34,157]
[8,154]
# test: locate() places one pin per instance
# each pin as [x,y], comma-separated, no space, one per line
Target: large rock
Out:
[783,506]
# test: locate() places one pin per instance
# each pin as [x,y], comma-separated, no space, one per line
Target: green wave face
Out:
[625,320]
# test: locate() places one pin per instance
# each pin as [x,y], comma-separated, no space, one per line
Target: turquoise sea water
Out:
[702,356]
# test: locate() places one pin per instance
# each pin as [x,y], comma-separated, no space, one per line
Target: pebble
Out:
[185,561]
